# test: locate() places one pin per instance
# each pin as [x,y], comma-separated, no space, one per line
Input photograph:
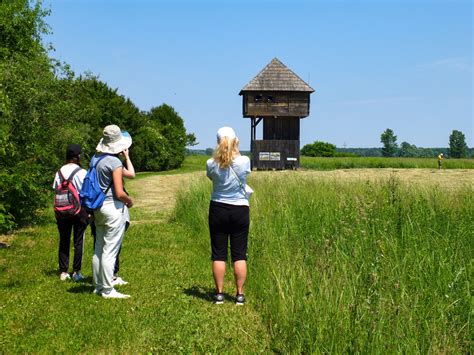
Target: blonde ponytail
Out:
[226,149]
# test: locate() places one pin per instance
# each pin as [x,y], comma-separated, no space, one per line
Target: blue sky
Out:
[399,64]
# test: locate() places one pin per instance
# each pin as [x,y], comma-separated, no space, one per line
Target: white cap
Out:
[225,132]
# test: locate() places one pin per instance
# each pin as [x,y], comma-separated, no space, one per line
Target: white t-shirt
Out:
[226,187]
[67,170]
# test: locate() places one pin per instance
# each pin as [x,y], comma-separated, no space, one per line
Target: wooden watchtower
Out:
[279,98]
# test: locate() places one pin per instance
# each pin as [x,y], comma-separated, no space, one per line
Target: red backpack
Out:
[66,200]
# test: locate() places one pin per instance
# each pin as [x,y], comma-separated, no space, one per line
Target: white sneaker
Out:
[64,276]
[114,294]
[97,292]
[118,281]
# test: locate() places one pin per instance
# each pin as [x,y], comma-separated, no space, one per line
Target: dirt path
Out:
[155,196]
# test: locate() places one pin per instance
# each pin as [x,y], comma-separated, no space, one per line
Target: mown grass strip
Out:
[170,310]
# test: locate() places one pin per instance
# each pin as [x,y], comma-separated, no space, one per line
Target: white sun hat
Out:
[114,140]
[225,132]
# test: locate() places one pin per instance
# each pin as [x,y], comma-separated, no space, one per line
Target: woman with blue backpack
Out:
[129,173]
[111,218]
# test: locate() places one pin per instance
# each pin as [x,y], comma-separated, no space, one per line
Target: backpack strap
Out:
[98,159]
[74,173]
[62,178]
[237,178]
[108,187]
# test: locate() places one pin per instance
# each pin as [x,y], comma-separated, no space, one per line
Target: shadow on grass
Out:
[81,288]
[206,294]
[54,272]
[12,284]
[87,280]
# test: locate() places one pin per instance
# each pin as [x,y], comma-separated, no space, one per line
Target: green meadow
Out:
[355,266]
[196,162]
[379,265]
[379,162]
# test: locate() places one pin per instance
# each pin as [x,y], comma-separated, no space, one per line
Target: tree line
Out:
[44,106]
[457,148]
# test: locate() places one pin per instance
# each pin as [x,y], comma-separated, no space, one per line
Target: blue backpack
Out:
[91,194]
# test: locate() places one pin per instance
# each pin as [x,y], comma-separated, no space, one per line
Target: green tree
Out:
[171,127]
[27,88]
[319,149]
[149,150]
[408,150]
[191,140]
[44,107]
[389,141]
[457,145]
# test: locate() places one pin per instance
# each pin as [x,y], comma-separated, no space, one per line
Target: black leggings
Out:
[77,225]
[228,222]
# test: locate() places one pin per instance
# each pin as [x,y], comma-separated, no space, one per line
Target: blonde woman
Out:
[228,212]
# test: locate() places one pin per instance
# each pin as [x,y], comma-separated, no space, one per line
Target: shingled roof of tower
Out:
[276,77]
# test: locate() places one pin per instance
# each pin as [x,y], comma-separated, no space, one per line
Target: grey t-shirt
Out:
[105,168]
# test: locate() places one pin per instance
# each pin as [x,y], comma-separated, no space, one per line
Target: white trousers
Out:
[110,222]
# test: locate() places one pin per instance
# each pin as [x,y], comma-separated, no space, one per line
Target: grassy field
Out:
[355,266]
[170,283]
[197,162]
[344,261]
[374,162]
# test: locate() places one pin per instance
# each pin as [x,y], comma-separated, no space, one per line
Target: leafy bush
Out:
[149,151]
[171,127]
[319,149]
[44,107]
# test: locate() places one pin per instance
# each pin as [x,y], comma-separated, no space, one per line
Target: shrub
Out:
[319,149]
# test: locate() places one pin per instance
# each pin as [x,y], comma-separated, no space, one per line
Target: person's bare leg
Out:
[218,270]
[240,274]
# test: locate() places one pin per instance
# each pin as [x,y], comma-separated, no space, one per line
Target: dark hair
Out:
[73,151]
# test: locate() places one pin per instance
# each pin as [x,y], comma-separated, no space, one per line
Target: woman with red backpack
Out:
[69,214]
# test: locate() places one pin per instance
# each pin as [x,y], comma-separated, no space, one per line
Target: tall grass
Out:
[378,162]
[354,267]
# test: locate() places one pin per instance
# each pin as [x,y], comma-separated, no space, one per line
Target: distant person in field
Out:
[112,218]
[440,158]
[73,171]
[129,173]
[228,212]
